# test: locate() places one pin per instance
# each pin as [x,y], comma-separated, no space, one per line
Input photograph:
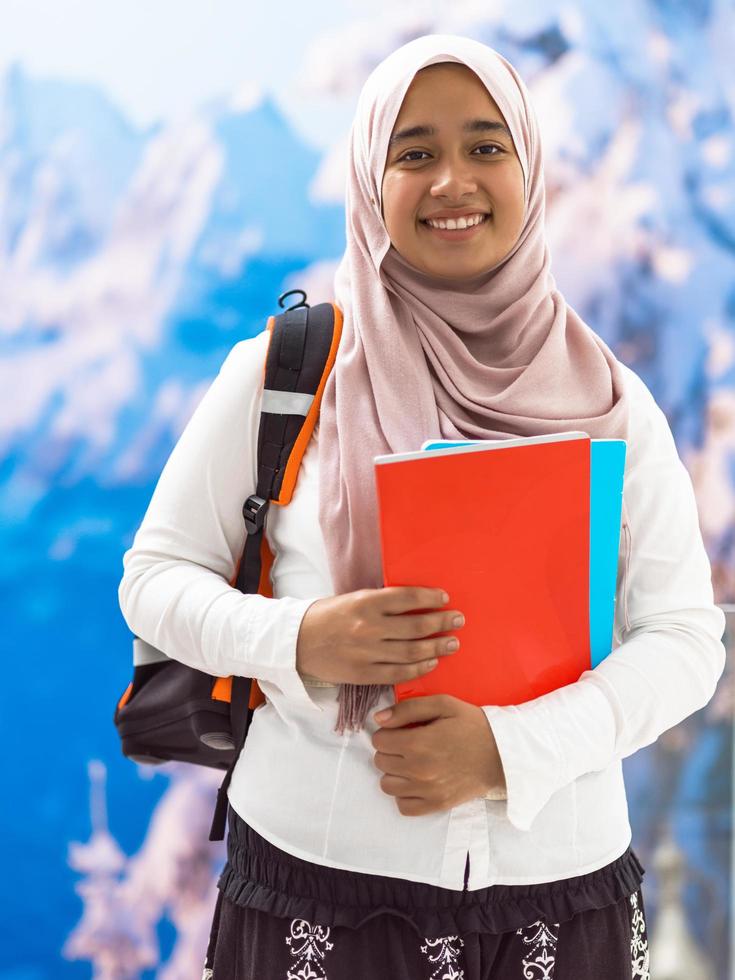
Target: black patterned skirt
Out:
[278,917]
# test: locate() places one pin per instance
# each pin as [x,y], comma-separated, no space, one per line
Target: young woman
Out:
[487,842]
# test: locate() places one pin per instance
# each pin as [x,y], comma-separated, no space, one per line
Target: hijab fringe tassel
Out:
[355,700]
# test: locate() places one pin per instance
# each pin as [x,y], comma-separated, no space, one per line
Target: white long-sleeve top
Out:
[316,794]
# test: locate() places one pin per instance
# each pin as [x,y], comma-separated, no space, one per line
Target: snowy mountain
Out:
[131,263]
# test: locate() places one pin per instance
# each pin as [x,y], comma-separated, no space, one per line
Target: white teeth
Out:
[459,223]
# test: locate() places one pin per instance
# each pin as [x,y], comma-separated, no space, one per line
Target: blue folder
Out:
[607,468]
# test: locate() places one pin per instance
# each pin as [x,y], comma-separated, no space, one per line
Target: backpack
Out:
[170,711]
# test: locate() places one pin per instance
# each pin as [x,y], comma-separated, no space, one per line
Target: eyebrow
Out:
[472,126]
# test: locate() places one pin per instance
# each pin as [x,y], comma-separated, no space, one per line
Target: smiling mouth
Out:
[456,234]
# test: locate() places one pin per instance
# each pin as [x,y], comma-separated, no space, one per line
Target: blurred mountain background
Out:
[135,251]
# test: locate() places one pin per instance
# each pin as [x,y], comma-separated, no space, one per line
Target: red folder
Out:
[504,529]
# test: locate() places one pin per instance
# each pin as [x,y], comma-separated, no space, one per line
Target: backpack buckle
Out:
[254,510]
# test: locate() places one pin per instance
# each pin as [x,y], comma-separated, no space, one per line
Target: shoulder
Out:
[649,433]
[246,359]
[232,395]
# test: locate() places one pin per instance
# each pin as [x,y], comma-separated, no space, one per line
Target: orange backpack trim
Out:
[126,696]
[222,688]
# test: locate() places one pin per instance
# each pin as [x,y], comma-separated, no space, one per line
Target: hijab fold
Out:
[494,356]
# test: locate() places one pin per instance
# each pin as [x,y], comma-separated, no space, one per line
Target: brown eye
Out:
[484,146]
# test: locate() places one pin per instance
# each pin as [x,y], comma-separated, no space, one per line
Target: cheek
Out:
[399,199]
[512,193]
[509,205]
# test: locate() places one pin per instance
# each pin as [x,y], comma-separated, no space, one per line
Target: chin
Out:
[466,272]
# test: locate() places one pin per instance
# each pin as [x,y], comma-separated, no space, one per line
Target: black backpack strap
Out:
[301,352]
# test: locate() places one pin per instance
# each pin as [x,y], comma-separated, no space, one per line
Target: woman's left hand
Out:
[448,760]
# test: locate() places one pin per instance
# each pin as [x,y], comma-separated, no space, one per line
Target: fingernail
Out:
[383,715]
[458,621]
[445,597]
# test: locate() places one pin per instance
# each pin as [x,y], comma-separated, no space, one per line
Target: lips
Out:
[455,215]
[484,217]
[456,234]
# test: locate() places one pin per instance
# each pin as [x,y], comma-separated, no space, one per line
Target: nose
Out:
[454,180]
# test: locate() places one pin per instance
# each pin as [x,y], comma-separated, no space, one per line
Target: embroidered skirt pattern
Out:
[283,918]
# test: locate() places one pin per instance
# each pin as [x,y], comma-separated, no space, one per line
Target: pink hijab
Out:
[498,355]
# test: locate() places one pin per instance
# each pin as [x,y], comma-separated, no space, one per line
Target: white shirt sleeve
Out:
[175,592]
[670,656]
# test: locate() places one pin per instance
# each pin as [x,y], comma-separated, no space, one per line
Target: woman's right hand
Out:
[366,637]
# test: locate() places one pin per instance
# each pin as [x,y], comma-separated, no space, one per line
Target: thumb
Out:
[417,709]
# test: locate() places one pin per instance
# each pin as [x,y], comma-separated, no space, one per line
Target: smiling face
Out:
[451,170]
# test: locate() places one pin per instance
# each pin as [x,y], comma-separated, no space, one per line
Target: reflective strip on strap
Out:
[286,402]
[144,653]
